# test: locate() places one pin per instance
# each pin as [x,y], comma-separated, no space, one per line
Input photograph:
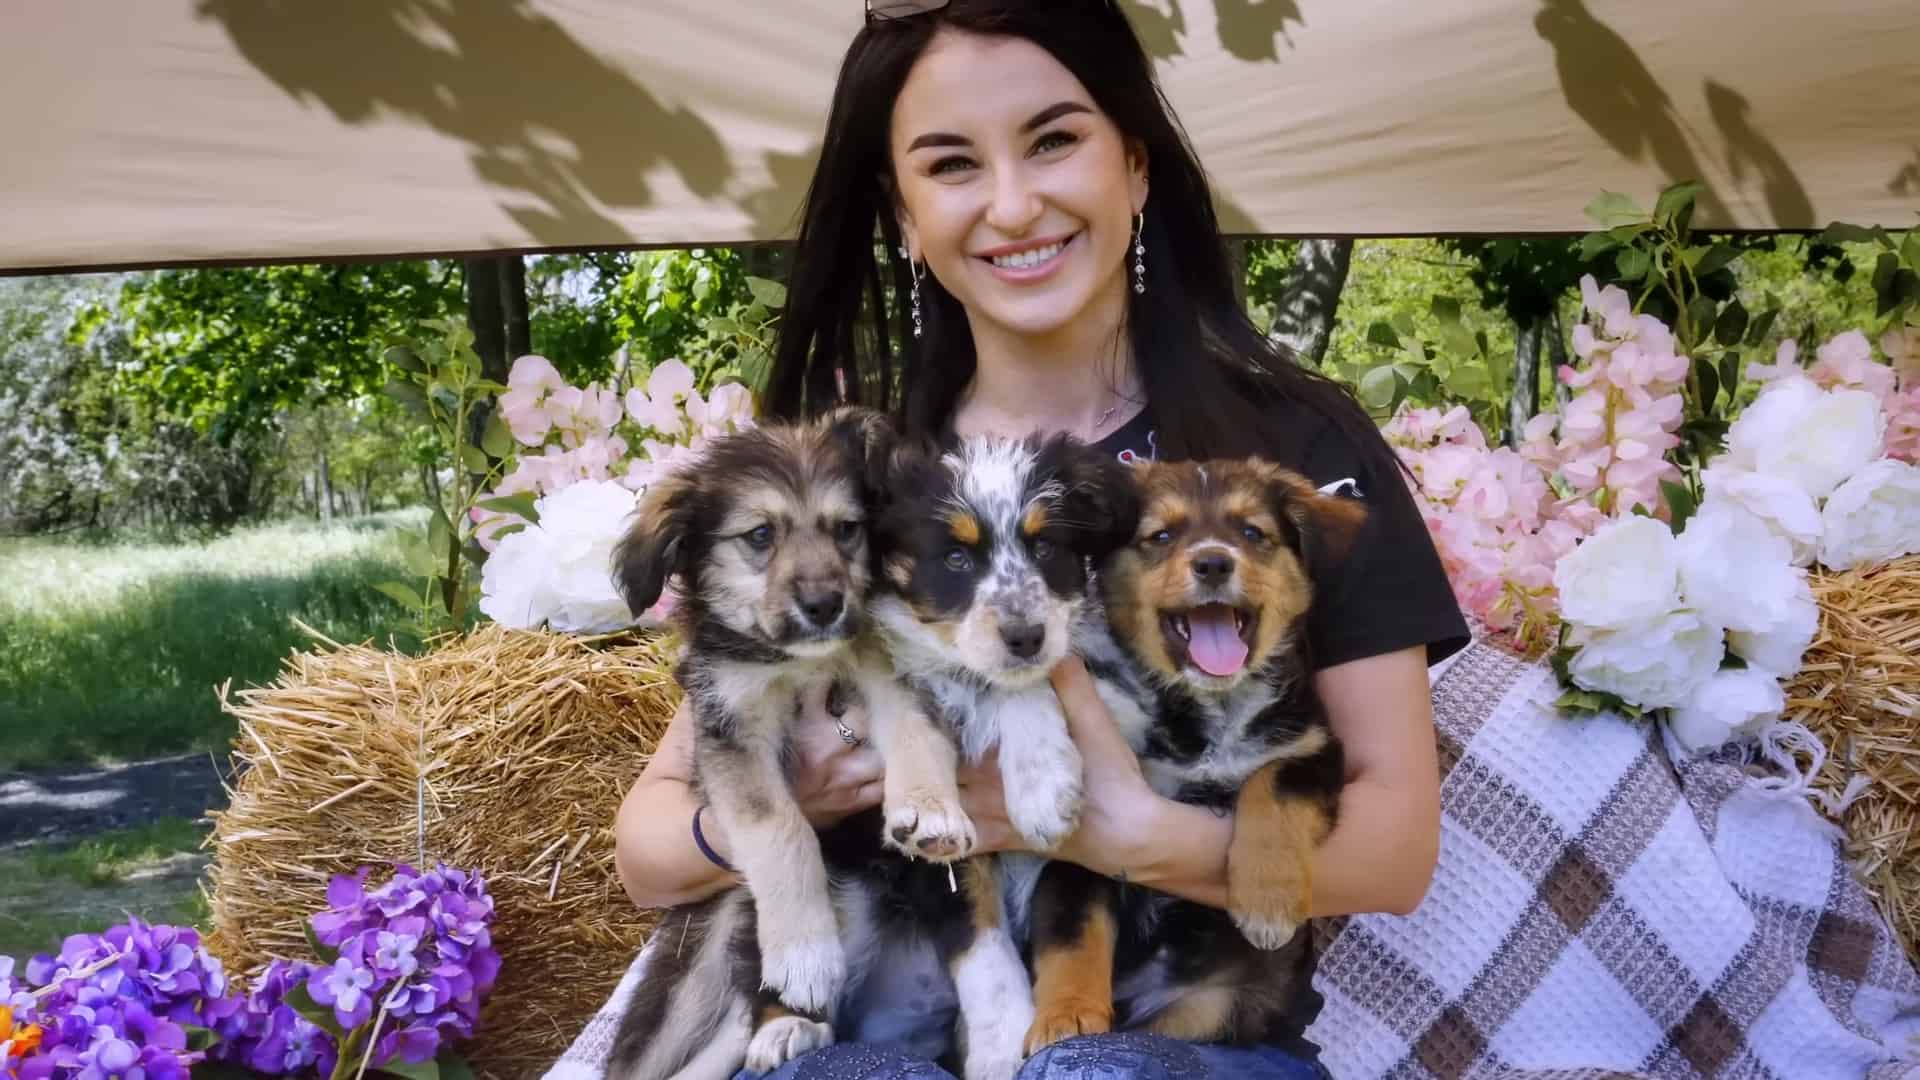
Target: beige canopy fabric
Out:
[169,131]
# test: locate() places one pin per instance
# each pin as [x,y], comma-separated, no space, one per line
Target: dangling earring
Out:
[1139,253]
[918,270]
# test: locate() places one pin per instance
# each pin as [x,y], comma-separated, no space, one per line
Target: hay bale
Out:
[1859,690]
[526,742]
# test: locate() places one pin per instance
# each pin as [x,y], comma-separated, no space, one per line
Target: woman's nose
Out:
[1015,206]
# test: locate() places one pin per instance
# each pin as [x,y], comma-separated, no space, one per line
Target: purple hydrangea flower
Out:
[347,987]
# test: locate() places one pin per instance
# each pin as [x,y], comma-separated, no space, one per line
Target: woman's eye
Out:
[846,532]
[948,165]
[1042,550]
[959,560]
[760,538]
[1253,534]
[1053,140]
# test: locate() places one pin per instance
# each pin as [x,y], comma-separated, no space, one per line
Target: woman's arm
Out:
[653,848]
[1379,858]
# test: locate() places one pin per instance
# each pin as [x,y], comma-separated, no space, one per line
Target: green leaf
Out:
[1380,333]
[1700,313]
[1471,381]
[401,592]
[1403,325]
[1674,200]
[723,326]
[1717,258]
[1595,244]
[1709,379]
[496,439]
[300,1001]
[1730,374]
[426,1070]
[1731,327]
[1903,289]
[420,557]
[771,293]
[1633,264]
[327,953]
[405,359]
[1379,387]
[521,504]
[1446,309]
[1680,503]
[505,531]
[1910,248]
[439,533]
[409,396]
[475,459]
[1611,208]
[454,1067]
[199,1039]
[1757,329]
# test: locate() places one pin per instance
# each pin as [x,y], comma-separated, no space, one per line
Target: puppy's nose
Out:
[1213,568]
[822,608]
[1023,639]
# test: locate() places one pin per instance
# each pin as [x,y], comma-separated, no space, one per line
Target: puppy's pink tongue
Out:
[1215,645]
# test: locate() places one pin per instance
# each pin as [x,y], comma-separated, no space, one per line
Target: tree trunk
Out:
[1303,318]
[1557,359]
[1529,340]
[486,316]
[326,487]
[513,311]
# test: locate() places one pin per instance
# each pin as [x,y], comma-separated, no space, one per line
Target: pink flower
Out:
[658,406]
[530,384]
[1903,425]
[1902,346]
[1786,363]
[1848,361]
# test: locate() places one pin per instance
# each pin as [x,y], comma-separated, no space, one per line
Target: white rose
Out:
[1627,571]
[1780,647]
[1653,663]
[560,571]
[1875,515]
[1789,511]
[1812,437]
[1728,703]
[1734,571]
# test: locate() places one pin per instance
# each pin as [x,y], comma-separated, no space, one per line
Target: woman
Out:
[1041,212]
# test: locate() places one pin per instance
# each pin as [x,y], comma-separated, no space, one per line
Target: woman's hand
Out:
[1118,809]
[831,779]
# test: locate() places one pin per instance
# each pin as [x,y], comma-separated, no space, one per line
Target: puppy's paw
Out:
[1065,1020]
[923,824]
[1043,801]
[784,1038]
[992,1063]
[1267,896]
[807,974]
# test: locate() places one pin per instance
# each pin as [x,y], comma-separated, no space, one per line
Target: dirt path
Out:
[65,804]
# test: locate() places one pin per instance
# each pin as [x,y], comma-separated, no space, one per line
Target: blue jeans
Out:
[1116,1056]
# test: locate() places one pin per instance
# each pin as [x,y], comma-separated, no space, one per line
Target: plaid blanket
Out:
[1598,911]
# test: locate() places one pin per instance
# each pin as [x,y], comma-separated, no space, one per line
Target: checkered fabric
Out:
[1598,912]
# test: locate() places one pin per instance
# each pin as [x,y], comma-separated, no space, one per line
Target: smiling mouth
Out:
[1032,258]
[1215,637]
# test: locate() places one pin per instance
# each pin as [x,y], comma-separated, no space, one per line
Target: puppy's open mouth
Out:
[1216,637]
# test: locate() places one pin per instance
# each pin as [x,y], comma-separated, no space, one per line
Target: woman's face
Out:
[1014,189]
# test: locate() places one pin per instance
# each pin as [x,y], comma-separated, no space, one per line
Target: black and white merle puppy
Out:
[1207,607]
[769,534]
[987,549]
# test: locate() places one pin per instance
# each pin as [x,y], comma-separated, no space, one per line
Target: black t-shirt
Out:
[1390,592]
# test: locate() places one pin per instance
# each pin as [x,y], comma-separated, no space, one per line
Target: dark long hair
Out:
[1212,380]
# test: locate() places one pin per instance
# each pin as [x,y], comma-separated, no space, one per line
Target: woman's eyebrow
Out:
[1044,116]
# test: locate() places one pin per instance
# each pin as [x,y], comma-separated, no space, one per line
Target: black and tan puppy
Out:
[768,533]
[1207,607]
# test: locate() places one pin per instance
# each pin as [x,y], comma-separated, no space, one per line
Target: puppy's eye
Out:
[959,560]
[1161,538]
[1042,550]
[759,538]
[846,532]
[1253,534]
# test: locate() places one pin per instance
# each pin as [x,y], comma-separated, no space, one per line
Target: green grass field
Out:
[111,652]
[149,870]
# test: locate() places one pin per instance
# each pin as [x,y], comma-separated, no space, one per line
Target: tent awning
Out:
[185,130]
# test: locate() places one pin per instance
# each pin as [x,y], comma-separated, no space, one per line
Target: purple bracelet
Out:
[700,841]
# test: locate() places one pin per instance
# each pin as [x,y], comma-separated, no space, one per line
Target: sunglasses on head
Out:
[883,10]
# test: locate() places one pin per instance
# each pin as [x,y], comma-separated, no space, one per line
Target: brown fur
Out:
[1073,983]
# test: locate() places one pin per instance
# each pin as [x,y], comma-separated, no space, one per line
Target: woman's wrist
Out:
[1179,849]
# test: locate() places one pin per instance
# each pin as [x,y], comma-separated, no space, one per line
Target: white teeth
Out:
[1180,627]
[1025,259]
[1239,622]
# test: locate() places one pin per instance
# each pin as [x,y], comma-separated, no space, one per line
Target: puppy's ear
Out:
[1327,524]
[868,440]
[1102,501]
[656,546]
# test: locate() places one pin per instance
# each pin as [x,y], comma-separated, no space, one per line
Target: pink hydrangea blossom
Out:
[531,385]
